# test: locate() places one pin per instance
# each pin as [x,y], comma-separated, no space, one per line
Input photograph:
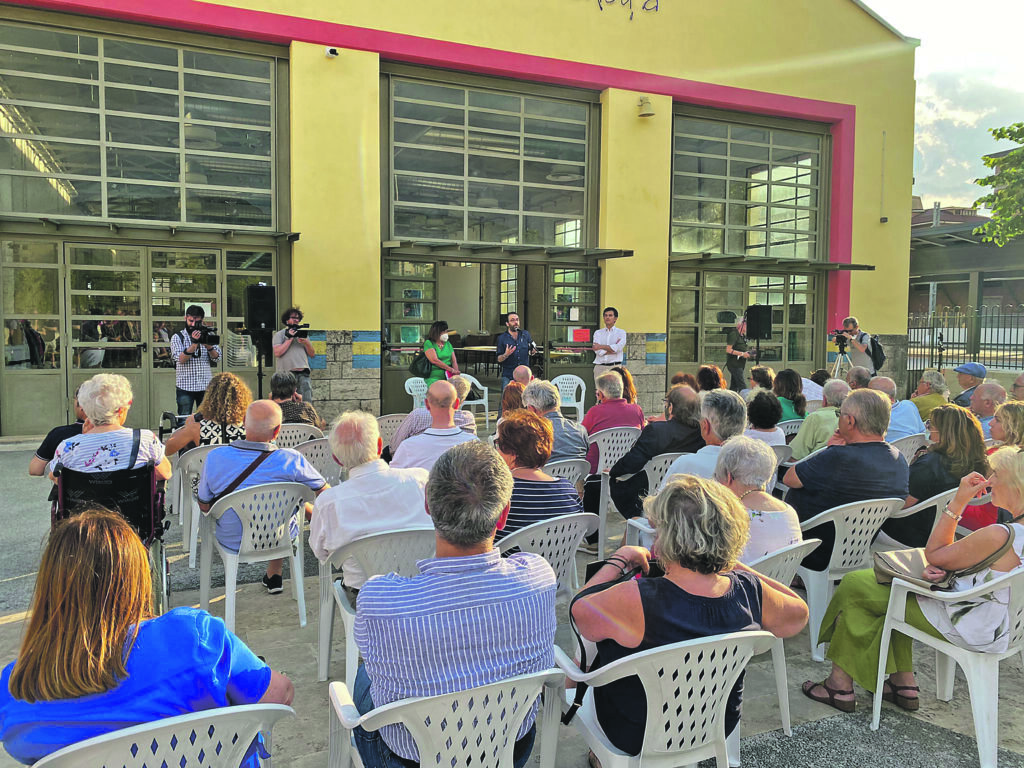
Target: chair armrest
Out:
[343,706]
[567,665]
[953,597]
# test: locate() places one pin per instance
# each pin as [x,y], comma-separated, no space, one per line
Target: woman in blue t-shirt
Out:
[439,351]
[94,658]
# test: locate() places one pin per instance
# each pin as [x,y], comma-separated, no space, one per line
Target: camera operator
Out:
[292,348]
[860,344]
[194,350]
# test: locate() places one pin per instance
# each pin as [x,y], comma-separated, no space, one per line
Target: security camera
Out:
[332,53]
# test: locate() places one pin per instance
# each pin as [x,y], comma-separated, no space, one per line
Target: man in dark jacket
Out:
[678,433]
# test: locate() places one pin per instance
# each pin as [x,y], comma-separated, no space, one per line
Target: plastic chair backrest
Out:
[388,425]
[1015,606]
[271,514]
[474,382]
[938,502]
[782,453]
[191,462]
[856,525]
[572,470]
[790,427]
[131,492]
[568,385]
[318,453]
[210,737]
[657,468]
[555,540]
[293,434]
[687,686]
[909,445]
[417,389]
[394,551]
[613,444]
[781,564]
[813,405]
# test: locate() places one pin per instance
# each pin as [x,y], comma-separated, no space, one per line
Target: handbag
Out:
[421,367]
[909,565]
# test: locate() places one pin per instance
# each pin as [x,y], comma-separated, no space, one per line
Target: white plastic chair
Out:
[813,405]
[856,525]
[556,541]
[474,727]
[612,445]
[225,732]
[190,465]
[385,552]
[388,425]
[572,470]
[484,401]
[656,469]
[417,390]
[572,392]
[790,463]
[318,453]
[938,501]
[293,434]
[980,669]
[909,445]
[687,686]
[790,427]
[272,515]
[783,453]
[639,533]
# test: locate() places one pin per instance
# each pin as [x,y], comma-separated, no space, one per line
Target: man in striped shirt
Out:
[470,618]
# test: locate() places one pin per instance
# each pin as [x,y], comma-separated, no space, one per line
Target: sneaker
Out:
[274,584]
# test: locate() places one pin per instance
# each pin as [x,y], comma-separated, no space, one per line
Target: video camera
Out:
[840,340]
[297,331]
[207,335]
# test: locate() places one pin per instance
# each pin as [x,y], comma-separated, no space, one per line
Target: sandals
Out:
[893,696]
[830,697]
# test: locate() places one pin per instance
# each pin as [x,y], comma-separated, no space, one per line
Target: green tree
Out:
[1006,200]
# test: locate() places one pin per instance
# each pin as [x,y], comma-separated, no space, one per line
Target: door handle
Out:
[143,346]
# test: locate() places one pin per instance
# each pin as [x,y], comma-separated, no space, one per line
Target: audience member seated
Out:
[610,411]
[811,389]
[788,387]
[685,378]
[105,444]
[220,417]
[957,449]
[723,415]
[706,591]
[968,376]
[761,377]
[628,387]
[523,374]
[423,449]
[512,398]
[746,467]
[375,498]
[1007,430]
[820,426]
[419,420]
[904,418]
[820,376]
[931,392]
[763,414]
[678,433]
[710,377]
[858,377]
[865,467]
[986,397]
[94,658]
[284,390]
[498,612]
[524,441]
[269,464]
[570,438]
[56,436]
[853,622]
[1017,389]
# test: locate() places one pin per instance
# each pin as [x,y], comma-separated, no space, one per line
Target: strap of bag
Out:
[136,442]
[991,559]
[264,455]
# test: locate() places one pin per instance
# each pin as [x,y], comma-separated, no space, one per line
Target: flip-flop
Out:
[830,698]
[893,696]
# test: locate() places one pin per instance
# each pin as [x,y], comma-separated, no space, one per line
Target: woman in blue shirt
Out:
[439,351]
[94,658]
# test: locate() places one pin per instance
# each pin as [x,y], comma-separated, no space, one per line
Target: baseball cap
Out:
[973,369]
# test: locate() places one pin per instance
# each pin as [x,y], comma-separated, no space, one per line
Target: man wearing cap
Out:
[968,376]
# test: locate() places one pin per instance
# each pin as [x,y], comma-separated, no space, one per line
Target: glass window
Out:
[443,136]
[509,288]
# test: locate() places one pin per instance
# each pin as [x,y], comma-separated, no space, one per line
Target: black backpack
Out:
[877,354]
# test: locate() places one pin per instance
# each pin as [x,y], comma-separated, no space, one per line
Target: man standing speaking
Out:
[609,343]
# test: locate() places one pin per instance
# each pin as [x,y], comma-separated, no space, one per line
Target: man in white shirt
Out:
[609,343]
[375,497]
[723,414]
[423,449]
[904,419]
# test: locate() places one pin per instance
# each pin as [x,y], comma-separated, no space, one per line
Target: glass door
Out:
[573,315]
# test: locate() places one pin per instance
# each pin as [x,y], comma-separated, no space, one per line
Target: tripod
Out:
[843,360]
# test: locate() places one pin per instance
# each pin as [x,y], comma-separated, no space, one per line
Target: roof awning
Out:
[758,262]
[499,253]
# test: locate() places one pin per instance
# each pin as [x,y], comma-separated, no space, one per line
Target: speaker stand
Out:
[757,351]
[261,338]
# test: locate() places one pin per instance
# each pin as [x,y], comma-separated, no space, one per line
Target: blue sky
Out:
[970,77]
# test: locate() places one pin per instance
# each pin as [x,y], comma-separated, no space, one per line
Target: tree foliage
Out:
[1006,200]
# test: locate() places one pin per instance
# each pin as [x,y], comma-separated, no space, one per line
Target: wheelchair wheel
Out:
[159,568]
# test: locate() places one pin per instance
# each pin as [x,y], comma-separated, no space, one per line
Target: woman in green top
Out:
[439,351]
[789,389]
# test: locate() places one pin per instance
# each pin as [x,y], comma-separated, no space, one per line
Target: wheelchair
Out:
[134,493]
[169,422]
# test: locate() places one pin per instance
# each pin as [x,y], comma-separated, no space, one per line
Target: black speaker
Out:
[260,307]
[759,321]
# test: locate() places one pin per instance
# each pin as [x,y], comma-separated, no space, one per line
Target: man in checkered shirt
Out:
[192,361]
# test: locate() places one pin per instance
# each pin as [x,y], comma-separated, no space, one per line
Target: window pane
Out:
[701,127]
[408,289]
[227,171]
[550,231]
[31,291]
[42,121]
[28,252]
[106,257]
[46,39]
[87,304]
[142,164]
[703,165]
[416,189]
[495,122]
[41,64]
[563,174]
[552,128]
[747,133]
[49,157]
[550,200]
[682,345]
[219,138]
[223,86]
[140,53]
[750,152]
[184,260]
[104,280]
[483,195]
[494,101]
[228,65]
[791,139]
[429,223]
[250,209]
[226,111]
[494,142]
[428,135]
[135,130]
[236,289]
[428,161]
[136,201]
[684,307]
[699,212]
[195,282]
[554,150]
[493,227]
[697,239]
[560,109]
[49,91]
[411,89]
[141,76]
[258,261]
[429,113]
[500,168]
[680,278]
[31,194]
[701,146]
[22,339]
[143,102]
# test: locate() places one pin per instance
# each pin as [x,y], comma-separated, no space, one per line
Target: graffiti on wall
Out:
[631,5]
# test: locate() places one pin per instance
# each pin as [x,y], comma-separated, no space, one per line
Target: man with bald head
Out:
[858,377]
[422,450]
[904,419]
[986,397]
[523,374]
[254,461]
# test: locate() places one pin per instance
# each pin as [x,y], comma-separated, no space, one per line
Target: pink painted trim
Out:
[283,29]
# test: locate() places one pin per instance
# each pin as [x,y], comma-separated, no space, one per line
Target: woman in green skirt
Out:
[852,625]
[440,353]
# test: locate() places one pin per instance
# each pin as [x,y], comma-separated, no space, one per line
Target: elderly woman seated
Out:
[219,419]
[94,658]
[524,441]
[853,621]
[764,411]
[700,530]
[1007,428]
[105,444]
[746,466]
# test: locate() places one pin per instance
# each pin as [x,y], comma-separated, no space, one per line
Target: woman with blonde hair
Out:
[219,419]
[1007,429]
[700,529]
[94,658]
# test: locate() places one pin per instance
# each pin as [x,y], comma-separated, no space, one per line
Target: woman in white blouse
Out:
[763,413]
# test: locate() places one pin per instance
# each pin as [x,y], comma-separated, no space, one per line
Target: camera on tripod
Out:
[297,331]
[840,340]
[207,335]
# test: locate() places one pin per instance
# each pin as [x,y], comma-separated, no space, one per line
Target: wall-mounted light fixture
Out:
[644,107]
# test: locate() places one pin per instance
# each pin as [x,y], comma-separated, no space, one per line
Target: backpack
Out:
[877,354]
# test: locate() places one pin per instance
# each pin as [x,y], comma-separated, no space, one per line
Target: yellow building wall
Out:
[335,186]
